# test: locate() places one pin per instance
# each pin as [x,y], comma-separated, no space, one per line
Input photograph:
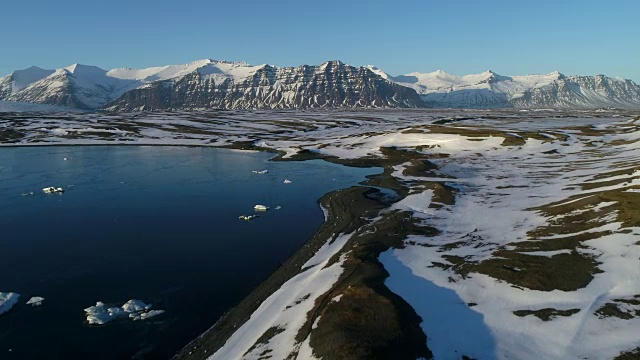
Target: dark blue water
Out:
[159,224]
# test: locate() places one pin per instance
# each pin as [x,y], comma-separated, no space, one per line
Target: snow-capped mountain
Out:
[224,85]
[211,84]
[82,86]
[207,84]
[490,90]
[78,86]
[20,79]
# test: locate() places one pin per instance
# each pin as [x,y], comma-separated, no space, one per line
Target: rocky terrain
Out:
[490,90]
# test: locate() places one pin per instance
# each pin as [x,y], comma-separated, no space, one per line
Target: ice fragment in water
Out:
[35,301]
[7,300]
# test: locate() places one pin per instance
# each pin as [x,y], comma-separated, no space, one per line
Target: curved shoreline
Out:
[362,281]
[346,211]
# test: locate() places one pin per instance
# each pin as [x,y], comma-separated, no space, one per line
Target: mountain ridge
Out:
[220,84]
[491,90]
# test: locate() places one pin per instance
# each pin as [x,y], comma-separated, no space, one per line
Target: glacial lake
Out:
[158,224]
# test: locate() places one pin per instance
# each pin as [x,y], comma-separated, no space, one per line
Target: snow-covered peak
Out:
[20,79]
[158,73]
[441,81]
[330,64]
[376,70]
[237,71]
[85,70]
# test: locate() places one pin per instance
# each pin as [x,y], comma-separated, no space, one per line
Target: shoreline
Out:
[368,274]
[362,281]
[566,189]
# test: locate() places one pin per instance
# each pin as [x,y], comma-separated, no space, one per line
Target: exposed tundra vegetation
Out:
[490,234]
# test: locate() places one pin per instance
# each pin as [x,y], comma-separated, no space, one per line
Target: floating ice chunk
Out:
[287,181]
[261,172]
[28,193]
[7,300]
[260,208]
[146,315]
[97,314]
[35,301]
[59,132]
[135,306]
[53,190]
[100,314]
[278,207]
[65,159]
[247,217]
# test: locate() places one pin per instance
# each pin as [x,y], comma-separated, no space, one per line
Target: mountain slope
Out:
[79,86]
[490,90]
[211,84]
[240,86]
[20,79]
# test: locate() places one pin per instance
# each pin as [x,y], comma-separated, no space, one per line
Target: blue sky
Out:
[459,36]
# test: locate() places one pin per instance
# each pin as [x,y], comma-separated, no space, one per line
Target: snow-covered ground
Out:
[284,312]
[546,185]
[501,190]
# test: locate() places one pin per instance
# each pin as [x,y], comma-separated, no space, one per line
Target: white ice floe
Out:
[287,181]
[52,190]
[260,172]
[7,301]
[35,301]
[247,217]
[146,315]
[260,208]
[135,309]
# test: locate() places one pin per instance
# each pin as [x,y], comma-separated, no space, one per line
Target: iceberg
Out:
[35,301]
[99,314]
[52,190]
[146,315]
[260,208]
[7,300]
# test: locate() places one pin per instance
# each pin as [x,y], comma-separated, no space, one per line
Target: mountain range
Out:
[212,84]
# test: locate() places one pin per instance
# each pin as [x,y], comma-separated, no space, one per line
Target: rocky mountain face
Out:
[330,85]
[490,90]
[582,92]
[210,84]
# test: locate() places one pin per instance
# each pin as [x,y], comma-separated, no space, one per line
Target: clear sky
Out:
[513,37]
